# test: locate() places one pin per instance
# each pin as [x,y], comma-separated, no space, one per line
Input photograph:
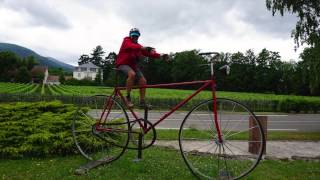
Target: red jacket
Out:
[130,53]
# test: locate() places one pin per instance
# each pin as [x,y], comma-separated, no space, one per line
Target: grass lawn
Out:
[172,134]
[157,163]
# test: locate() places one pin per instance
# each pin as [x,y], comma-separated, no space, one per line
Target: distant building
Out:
[53,80]
[39,74]
[86,71]
[68,77]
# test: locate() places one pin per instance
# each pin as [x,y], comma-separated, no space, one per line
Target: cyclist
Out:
[129,55]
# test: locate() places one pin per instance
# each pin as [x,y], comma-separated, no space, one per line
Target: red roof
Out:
[39,69]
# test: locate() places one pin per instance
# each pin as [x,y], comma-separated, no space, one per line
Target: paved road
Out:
[276,122]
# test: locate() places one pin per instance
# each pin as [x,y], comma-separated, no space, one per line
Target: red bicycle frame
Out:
[206,83]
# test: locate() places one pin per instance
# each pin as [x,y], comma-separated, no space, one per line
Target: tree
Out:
[24,76]
[62,79]
[98,78]
[84,59]
[186,66]
[30,62]
[307,31]
[311,61]
[9,63]
[308,11]
[97,56]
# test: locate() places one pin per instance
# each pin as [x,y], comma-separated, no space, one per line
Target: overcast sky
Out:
[65,29]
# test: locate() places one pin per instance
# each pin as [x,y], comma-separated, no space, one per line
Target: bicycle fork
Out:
[215,114]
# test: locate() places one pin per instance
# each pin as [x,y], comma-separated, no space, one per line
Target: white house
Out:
[86,71]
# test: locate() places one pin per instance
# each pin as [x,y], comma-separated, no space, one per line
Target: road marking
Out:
[171,128]
[271,115]
[282,129]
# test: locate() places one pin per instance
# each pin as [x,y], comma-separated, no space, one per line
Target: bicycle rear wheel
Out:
[107,140]
[209,158]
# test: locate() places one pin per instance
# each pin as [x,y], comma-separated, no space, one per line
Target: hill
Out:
[25,52]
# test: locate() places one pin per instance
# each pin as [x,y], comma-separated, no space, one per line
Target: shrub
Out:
[36,129]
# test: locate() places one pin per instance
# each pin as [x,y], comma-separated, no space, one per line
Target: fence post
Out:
[254,134]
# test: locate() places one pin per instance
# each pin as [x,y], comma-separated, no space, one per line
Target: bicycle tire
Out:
[201,150]
[107,144]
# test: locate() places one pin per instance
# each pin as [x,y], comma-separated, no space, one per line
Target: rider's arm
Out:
[151,54]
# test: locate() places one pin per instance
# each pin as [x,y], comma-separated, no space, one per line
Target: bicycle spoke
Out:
[110,142]
[236,125]
[211,123]
[237,147]
[240,132]
[227,159]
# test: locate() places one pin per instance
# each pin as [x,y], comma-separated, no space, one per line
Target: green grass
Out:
[157,163]
[172,134]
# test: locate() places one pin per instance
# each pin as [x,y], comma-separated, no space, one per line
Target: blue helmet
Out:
[134,32]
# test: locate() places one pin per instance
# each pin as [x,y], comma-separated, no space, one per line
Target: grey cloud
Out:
[38,12]
[175,17]
[257,15]
[201,16]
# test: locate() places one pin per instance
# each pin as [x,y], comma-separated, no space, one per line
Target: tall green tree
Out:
[84,59]
[307,31]
[30,62]
[62,78]
[98,78]
[9,63]
[308,12]
[24,76]
[97,56]
[311,61]
[186,66]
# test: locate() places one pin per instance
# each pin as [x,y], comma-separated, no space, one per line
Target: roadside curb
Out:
[276,150]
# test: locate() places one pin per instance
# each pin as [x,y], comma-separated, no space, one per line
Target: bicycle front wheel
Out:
[229,158]
[106,140]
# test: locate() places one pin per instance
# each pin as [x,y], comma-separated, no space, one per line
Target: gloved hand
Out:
[165,57]
[147,48]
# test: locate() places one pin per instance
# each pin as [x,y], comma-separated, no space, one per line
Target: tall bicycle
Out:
[214,137]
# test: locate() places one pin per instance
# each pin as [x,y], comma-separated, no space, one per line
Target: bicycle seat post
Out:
[146,110]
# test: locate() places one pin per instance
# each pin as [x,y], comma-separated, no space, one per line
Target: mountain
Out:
[25,52]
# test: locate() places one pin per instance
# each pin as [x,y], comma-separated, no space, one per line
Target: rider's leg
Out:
[130,73]
[142,82]
[130,81]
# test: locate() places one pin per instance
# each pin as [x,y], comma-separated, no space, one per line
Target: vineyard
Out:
[10,92]
[28,89]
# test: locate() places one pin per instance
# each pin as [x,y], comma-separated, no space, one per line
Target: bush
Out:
[298,105]
[36,129]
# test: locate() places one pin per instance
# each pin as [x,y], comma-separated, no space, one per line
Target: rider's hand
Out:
[165,57]
[149,49]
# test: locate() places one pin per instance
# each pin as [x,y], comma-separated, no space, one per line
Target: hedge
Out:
[36,129]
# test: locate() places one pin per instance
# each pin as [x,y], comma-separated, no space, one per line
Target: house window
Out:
[93,69]
[79,74]
[77,68]
[83,69]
